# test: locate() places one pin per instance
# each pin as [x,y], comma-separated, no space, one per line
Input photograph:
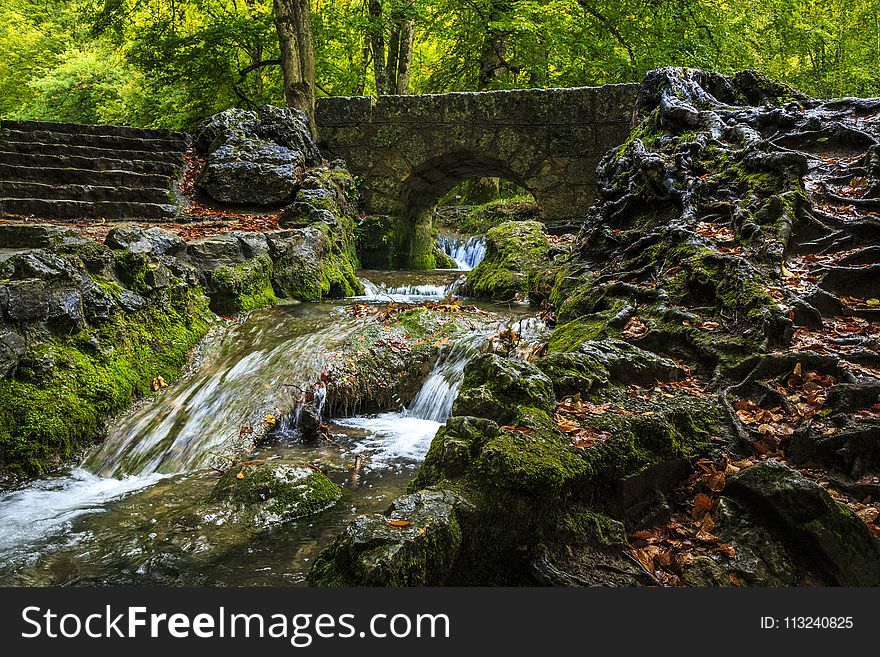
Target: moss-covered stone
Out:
[242,287]
[382,365]
[516,258]
[415,543]
[499,388]
[841,543]
[47,419]
[480,219]
[276,492]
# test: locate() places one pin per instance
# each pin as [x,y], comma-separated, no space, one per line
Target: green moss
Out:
[131,269]
[242,287]
[276,492]
[679,428]
[516,259]
[480,219]
[43,422]
[598,528]
[376,242]
[443,261]
[571,335]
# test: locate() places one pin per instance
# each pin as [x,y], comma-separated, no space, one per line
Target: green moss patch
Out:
[47,417]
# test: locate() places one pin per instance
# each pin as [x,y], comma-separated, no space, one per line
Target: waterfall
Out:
[196,421]
[434,400]
[405,293]
[467,252]
[403,438]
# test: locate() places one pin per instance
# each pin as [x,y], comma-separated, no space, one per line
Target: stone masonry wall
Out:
[410,150]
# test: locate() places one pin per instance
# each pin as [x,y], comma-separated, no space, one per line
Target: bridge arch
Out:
[409,151]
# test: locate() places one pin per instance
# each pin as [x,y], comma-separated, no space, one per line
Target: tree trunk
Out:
[377,40]
[392,69]
[292,21]
[404,59]
[493,60]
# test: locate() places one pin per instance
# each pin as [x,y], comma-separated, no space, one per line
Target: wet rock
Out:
[153,241]
[842,544]
[98,305]
[36,236]
[274,492]
[241,287]
[496,387]
[311,206]
[26,300]
[310,423]
[249,171]
[12,349]
[590,551]
[215,252]
[415,543]
[65,313]
[42,264]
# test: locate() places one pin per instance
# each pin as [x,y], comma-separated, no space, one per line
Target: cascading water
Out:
[95,523]
[239,384]
[406,435]
[402,293]
[467,252]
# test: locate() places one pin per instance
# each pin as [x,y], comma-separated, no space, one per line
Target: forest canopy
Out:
[170,63]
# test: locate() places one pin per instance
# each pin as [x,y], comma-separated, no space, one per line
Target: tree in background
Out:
[392,65]
[293,22]
[170,63]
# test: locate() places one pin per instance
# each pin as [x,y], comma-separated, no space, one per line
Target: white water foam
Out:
[467,253]
[48,508]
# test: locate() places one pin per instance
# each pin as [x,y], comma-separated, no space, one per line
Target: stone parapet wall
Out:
[410,150]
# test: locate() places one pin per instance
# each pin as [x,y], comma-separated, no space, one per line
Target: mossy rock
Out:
[498,388]
[275,492]
[45,420]
[517,254]
[242,287]
[840,542]
[415,543]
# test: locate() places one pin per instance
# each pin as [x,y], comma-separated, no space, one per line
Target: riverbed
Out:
[123,515]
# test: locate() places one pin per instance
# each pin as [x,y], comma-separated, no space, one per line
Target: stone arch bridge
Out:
[409,151]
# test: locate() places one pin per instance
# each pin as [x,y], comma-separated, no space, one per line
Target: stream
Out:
[122,517]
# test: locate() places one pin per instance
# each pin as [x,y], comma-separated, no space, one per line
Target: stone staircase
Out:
[61,171]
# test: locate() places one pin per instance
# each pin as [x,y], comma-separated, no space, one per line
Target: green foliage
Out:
[170,63]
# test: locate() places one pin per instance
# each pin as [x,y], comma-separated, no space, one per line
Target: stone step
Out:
[85,193]
[98,141]
[55,210]
[71,176]
[81,129]
[42,148]
[91,163]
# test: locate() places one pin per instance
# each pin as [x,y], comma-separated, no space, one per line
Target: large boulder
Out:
[255,158]
[250,171]
[840,542]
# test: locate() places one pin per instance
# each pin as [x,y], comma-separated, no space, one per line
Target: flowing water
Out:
[467,252]
[123,516]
